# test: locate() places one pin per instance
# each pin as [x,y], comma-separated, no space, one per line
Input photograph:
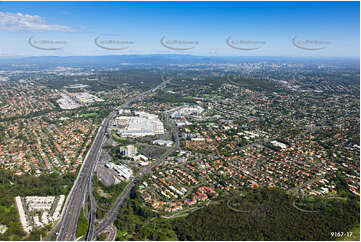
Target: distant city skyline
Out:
[322,29]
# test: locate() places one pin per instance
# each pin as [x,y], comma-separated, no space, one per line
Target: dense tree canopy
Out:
[274,219]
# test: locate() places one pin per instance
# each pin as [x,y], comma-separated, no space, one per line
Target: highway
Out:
[111,215]
[75,200]
[90,235]
[92,212]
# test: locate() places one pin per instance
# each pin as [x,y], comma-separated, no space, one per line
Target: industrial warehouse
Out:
[122,170]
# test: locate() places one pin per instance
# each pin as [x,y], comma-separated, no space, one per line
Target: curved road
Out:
[75,200]
[111,216]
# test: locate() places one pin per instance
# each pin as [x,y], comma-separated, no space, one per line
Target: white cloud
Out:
[19,22]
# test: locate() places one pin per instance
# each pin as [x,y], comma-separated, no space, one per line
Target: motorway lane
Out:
[76,197]
[90,192]
[71,211]
[73,194]
[90,235]
[112,233]
[111,216]
[92,212]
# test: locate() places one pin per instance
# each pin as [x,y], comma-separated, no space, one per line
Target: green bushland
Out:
[274,219]
[10,217]
[137,222]
[163,97]
[105,202]
[38,233]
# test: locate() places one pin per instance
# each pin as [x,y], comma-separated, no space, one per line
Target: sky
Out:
[329,29]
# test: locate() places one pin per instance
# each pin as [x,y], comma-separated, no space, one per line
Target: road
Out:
[111,215]
[92,212]
[75,200]
[90,235]
[112,233]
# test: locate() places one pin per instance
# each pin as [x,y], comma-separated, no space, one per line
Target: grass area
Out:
[116,137]
[86,115]
[5,209]
[181,213]
[83,225]
[120,140]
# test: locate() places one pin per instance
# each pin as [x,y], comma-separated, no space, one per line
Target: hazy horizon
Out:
[310,29]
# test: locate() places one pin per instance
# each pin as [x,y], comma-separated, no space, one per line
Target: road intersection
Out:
[66,227]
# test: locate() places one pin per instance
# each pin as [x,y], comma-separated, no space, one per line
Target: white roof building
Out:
[122,170]
[167,143]
[279,144]
[187,110]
